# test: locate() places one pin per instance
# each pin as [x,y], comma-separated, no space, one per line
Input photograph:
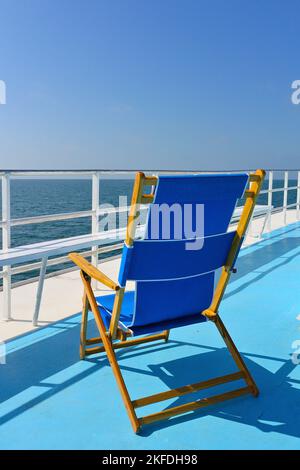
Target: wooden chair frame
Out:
[115,337]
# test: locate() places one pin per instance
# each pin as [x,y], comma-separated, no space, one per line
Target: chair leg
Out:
[107,344]
[121,384]
[85,309]
[235,354]
[108,348]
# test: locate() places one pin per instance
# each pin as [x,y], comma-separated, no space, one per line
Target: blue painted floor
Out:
[50,399]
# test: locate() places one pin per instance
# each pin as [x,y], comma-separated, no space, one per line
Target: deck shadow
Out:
[252,262]
[31,365]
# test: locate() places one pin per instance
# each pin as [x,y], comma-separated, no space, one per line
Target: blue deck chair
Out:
[175,281]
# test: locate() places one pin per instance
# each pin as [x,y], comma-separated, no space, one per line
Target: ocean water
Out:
[41,197]
[48,196]
[54,196]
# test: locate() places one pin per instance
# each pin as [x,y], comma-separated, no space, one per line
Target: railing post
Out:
[285,195]
[95,216]
[298,197]
[6,245]
[270,200]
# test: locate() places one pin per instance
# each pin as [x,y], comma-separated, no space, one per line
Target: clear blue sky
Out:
[181,84]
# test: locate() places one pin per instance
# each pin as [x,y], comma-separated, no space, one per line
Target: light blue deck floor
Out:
[50,399]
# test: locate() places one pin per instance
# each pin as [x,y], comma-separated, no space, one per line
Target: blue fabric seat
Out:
[105,303]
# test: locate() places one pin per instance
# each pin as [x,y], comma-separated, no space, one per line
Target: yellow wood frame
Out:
[115,337]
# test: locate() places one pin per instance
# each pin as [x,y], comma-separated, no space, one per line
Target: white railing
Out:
[285,189]
[7,222]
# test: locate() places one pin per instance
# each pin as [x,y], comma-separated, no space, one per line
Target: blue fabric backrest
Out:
[171,281]
[217,193]
[149,260]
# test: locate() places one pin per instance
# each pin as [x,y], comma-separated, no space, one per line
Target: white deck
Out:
[62,293]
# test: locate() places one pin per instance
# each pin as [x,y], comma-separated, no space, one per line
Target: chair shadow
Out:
[275,409]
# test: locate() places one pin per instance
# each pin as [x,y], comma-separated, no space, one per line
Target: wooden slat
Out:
[93,272]
[236,355]
[134,207]
[136,341]
[83,327]
[176,410]
[176,392]
[93,340]
[147,198]
[95,350]
[113,327]
[150,181]
[120,335]
[254,177]
[128,343]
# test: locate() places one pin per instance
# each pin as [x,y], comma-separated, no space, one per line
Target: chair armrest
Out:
[93,272]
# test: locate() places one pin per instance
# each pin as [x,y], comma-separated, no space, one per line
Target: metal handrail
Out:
[39,219]
[95,212]
[62,259]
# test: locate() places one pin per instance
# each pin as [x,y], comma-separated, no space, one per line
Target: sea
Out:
[33,197]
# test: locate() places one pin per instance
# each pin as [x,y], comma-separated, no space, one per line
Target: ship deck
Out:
[52,400]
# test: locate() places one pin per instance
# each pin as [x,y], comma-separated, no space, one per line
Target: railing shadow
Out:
[264,255]
[34,363]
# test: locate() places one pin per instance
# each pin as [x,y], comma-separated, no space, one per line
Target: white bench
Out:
[42,251]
